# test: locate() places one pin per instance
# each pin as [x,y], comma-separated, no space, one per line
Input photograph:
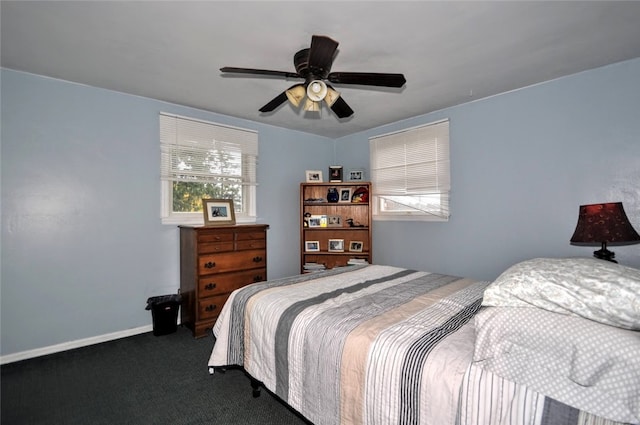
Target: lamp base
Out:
[604,254]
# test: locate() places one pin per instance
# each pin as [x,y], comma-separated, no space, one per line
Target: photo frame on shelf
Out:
[312,246]
[344,194]
[335,173]
[334,221]
[356,175]
[355,246]
[336,245]
[318,221]
[218,212]
[313,176]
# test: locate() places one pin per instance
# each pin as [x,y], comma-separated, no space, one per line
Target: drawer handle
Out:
[210,307]
[257,278]
[210,286]
[257,259]
[209,265]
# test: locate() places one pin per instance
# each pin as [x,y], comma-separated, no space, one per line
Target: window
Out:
[199,160]
[410,174]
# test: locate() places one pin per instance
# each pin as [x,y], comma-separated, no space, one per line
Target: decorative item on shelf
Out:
[218,212]
[360,195]
[355,246]
[318,221]
[352,224]
[333,195]
[306,218]
[314,176]
[345,194]
[602,224]
[334,221]
[356,175]
[312,246]
[335,173]
[336,245]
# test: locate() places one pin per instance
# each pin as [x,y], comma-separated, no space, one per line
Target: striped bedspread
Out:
[489,399]
[358,345]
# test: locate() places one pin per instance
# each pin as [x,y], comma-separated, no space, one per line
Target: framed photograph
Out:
[334,221]
[318,221]
[336,245]
[335,173]
[314,176]
[355,246]
[345,194]
[312,246]
[218,212]
[356,175]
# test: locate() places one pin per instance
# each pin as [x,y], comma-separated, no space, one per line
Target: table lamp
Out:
[604,224]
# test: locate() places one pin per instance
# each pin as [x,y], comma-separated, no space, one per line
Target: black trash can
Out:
[164,311]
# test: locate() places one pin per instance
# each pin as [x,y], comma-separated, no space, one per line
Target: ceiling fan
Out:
[314,66]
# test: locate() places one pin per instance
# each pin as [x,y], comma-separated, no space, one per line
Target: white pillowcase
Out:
[595,289]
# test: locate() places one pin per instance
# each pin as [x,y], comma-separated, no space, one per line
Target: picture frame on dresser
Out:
[218,212]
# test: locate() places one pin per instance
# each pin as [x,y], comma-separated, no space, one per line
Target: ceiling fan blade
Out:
[285,74]
[277,101]
[341,109]
[367,79]
[321,55]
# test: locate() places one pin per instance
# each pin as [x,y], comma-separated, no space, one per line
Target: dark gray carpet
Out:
[143,379]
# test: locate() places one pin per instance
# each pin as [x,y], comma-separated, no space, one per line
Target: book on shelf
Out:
[357,261]
[313,267]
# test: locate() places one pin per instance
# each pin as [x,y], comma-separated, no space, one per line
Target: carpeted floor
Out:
[143,379]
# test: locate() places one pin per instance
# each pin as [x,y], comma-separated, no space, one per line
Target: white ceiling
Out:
[450,52]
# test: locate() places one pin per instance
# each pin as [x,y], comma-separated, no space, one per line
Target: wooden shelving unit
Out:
[314,204]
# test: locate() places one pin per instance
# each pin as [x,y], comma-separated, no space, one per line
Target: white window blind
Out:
[197,151]
[410,173]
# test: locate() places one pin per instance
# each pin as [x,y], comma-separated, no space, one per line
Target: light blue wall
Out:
[82,242]
[79,262]
[521,164]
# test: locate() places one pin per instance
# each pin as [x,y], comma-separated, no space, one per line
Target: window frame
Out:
[395,166]
[247,212]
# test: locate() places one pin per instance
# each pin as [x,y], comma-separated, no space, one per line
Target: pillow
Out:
[594,289]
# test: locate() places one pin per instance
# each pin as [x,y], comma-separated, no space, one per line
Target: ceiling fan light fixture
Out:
[311,106]
[295,95]
[316,90]
[331,96]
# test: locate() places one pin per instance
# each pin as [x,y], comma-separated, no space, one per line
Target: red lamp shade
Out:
[604,224]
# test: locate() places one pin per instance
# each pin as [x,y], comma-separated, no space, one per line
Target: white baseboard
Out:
[29,354]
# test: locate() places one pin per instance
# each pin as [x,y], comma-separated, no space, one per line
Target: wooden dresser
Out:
[214,261]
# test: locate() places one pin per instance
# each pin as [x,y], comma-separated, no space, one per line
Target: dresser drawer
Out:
[228,282]
[251,244]
[247,236]
[209,242]
[210,307]
[232,261]
[211,247]
[251,240]
[214,236]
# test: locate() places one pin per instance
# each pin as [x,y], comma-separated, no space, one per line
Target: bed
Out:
[546,343]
